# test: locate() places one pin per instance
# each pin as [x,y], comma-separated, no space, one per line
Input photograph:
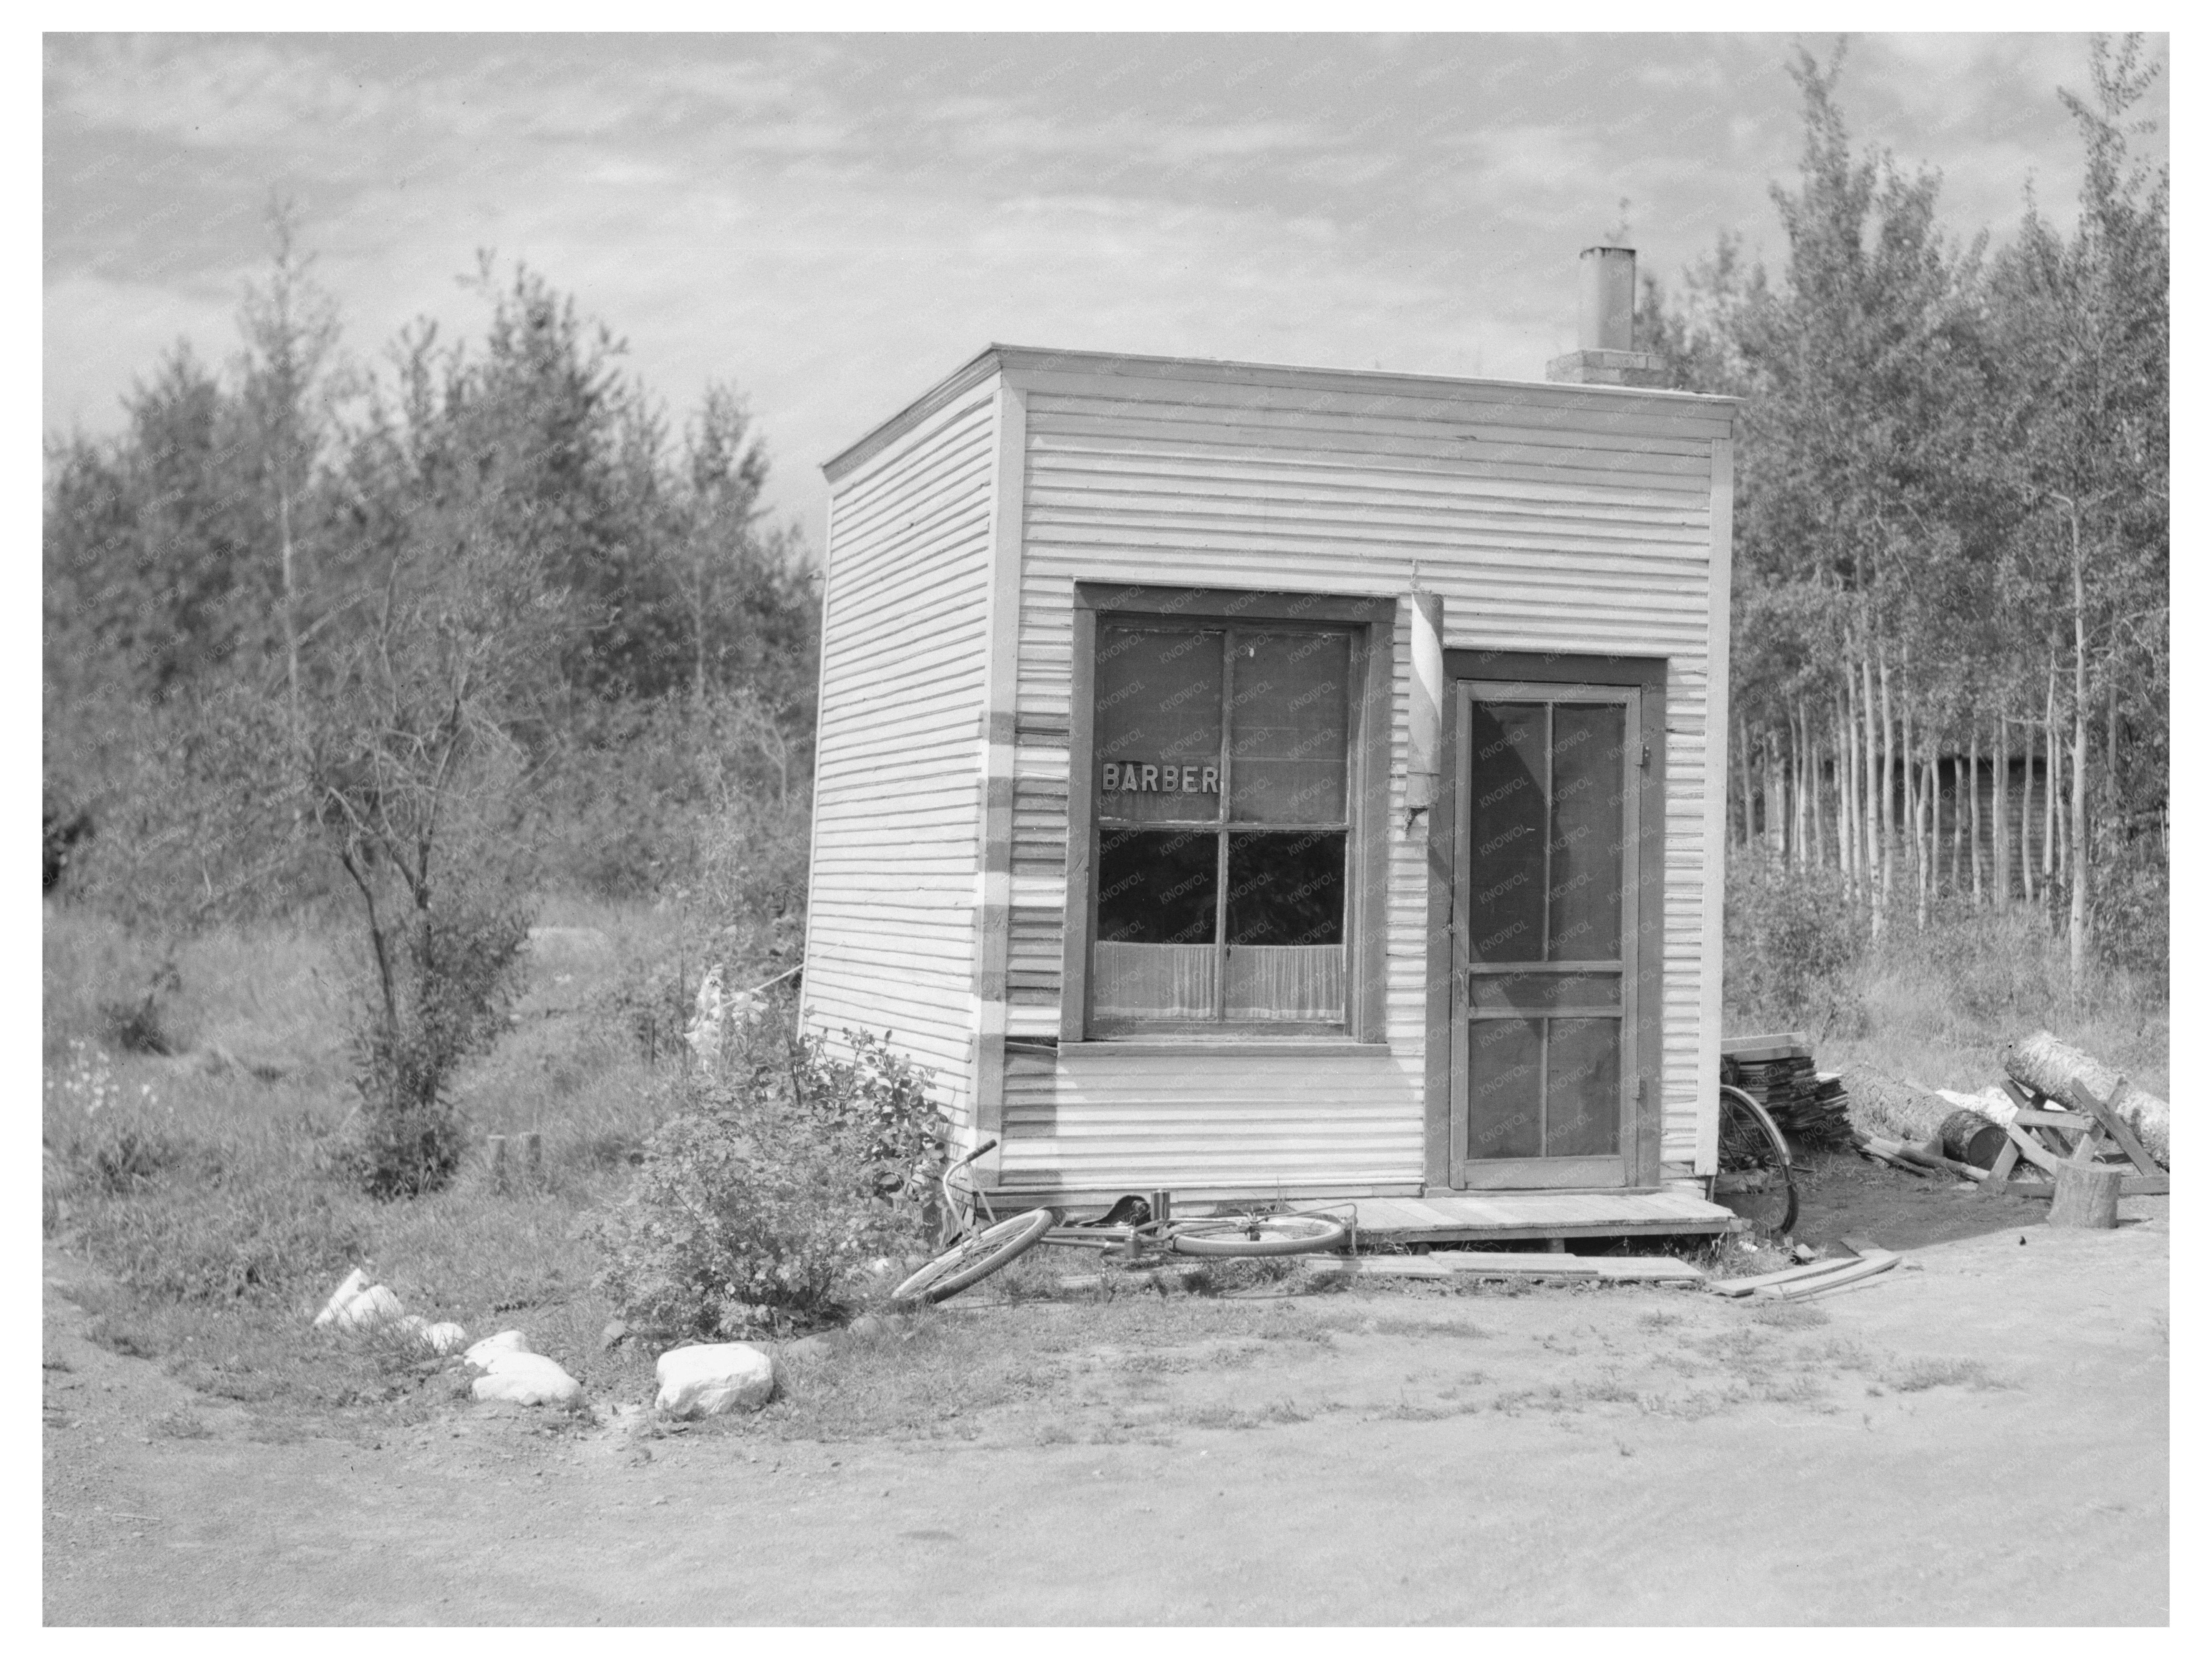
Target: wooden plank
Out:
[2116,1127]
[1849,1272]
[2134,1186]
[1512,1263]
[2008,1156]
[2033,1151]
[1804,1270]
[1379,1266]
[2035,1118]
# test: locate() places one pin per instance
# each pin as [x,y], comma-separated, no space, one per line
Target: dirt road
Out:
[1632,1457]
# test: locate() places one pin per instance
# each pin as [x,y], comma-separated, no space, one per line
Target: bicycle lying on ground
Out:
[977,1246]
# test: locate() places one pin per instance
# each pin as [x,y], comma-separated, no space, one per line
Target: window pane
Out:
[1286,887]
[1504,1110]
[1581,1088]
[1505,829]
[1588,772]
[1157,886]
[1157,696]
[1287,727]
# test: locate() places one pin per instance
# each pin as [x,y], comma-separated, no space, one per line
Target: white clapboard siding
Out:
[1090,1121]
[890,923]
[1548,518]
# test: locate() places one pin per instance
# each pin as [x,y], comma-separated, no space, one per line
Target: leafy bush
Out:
[1791,941]
[449,1000]
[782,1172]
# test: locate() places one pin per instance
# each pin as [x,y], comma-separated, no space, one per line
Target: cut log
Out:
[2073,1080]
[1970,1137]
[2086,1195]
[1883,1106]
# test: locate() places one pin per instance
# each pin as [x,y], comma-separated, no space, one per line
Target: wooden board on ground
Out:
[1512,1264]
[1849,1271]
[2131,1186]
[1654,1269]
[1760,1283]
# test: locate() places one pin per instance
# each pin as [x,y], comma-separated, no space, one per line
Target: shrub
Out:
[448,998]
[782,1172]
[1792,939]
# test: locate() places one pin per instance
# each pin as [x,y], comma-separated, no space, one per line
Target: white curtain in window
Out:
[1286,981]
[1135,982]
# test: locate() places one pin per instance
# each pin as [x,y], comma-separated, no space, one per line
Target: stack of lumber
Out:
[1811,1108]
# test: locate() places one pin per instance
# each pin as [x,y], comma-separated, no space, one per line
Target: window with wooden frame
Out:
[1231,839]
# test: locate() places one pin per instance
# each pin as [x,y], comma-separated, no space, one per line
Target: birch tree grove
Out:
[1950,613]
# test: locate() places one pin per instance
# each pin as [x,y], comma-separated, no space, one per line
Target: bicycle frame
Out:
[961,1203]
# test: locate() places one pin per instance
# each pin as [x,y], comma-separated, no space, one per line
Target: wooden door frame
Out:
[1647,1045]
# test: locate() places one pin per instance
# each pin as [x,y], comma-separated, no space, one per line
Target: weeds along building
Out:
[1245,780]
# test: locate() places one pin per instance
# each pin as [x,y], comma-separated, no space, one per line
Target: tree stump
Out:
[2087,1196]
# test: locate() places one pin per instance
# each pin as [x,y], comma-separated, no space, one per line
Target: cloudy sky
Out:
[831,223]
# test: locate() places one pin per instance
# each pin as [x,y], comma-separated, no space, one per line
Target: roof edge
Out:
[970,375]
[997,356]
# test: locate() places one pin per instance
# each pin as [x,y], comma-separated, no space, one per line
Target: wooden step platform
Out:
[1467,1217]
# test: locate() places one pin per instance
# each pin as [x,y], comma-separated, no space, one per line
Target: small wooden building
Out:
[1255,781]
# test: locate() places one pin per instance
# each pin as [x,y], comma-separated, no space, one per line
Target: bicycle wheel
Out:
[977,1257]
[1257,1235]
[1754,1179]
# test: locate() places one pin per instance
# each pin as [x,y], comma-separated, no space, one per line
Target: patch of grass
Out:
[1299,1330]
[1795,1388]
[1405,1325]
[180,1423]
[1609,1389]
[1698,1404]
[1841,1354]
[1916,1376]
[1786,1316]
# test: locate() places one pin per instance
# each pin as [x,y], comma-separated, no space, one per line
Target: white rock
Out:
[491,1347]
[706,1378]
[444,1338]
[354,1282]
[374,1306]
[526,1379]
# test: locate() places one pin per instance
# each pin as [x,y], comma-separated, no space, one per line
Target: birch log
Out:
[1883,1106]
[2071,1077]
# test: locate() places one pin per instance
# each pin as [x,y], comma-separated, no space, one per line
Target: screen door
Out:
[1544,940]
